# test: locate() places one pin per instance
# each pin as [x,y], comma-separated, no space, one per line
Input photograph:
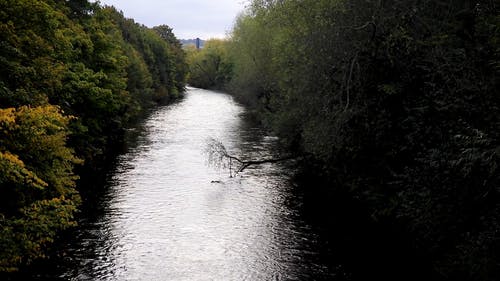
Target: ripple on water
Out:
[165,219]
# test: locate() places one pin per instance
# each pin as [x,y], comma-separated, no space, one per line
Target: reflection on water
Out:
[165,215]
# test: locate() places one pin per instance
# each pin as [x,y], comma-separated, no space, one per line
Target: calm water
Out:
[166,215]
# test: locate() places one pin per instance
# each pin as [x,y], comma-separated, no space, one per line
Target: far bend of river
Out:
[163,214]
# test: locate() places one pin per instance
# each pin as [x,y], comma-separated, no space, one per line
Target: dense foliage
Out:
[396,102]
[72,75]
[211,66]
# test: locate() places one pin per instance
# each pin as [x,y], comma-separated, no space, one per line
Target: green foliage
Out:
[160,51]
[252,52]
[31,45]
[24,238]
[211,66]
[398,100]
[179,56]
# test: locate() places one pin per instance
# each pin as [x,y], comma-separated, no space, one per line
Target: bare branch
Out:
[218,157]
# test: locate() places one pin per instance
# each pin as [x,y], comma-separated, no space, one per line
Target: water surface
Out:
[165,215]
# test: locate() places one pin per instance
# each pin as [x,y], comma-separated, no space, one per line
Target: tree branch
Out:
[220,158]
[354,60]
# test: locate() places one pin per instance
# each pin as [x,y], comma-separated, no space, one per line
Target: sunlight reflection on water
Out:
[164,219]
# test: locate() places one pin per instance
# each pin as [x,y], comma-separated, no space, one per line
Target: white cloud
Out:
[189,18]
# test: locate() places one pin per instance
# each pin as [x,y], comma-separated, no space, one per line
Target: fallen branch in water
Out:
[220,158]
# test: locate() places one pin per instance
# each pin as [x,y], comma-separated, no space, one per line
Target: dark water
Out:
[165,215]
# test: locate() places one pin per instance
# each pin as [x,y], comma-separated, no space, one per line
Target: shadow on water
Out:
[354,244]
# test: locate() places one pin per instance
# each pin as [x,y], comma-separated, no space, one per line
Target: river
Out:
[164,214]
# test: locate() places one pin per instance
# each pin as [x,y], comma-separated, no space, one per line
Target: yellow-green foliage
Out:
[36,182]
[211,66]
[15,172]
[23,238]
[38,136]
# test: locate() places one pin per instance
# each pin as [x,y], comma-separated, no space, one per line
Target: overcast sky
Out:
[189,18]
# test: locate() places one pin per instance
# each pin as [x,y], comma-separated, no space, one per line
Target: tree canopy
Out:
[211,66]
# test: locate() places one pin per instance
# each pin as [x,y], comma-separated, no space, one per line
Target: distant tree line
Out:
[209,67]
[396,102]
[73,74]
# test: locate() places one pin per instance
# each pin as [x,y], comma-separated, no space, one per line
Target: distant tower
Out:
[198,43]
